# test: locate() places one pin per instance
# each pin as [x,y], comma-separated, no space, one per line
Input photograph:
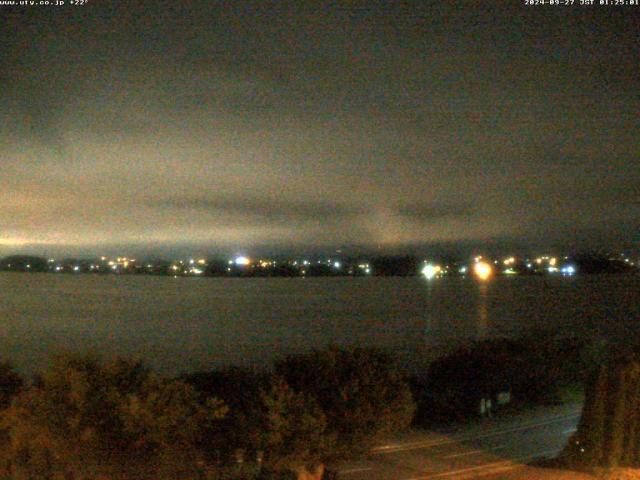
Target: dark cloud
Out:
[245,123]
[431,212]
[261,209]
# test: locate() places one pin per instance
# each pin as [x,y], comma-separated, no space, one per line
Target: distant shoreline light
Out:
[431,271]
[242,261]
[482,270]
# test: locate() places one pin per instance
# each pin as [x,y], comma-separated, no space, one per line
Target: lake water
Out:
[181,324]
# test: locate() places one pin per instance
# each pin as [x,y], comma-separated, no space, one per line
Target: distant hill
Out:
[23,263]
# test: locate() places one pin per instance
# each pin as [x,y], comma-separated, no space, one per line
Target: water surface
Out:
[179,324]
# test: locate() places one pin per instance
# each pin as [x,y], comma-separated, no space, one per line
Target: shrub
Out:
[10,384]
[86,418]
[266,416]
[292,431]
[361,392]
[240,389]
[455,384]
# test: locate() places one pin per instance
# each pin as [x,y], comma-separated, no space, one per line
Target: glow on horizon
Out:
[14,242]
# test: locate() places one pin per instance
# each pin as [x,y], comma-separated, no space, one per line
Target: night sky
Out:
[248,126]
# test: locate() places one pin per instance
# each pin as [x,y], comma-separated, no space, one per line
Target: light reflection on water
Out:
[483,312]
[187,323]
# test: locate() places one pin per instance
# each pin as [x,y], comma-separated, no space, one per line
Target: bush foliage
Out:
[361,391]
[85,418]
[526,368]
[10,384]
[292,429]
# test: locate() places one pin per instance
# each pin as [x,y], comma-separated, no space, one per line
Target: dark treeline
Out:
[506,373]
[24,263]
[399,265]
[587,263]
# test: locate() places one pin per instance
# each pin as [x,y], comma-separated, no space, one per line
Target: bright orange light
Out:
[482,270]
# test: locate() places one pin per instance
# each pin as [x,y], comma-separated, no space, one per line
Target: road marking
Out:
[432,443]
[521,463]
[450,473]
[474,452]
[354,470]
[385,448]
[463,454]
[495,471]
[491,468]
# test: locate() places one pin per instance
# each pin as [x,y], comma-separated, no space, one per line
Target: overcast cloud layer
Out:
[250,125]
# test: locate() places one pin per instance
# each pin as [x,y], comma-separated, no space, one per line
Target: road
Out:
[485,448]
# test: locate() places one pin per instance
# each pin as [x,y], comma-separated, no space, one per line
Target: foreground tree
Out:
[86,419]
[10,384]
[456,383]
[360,391]
[241,390]
[292,432]
[608,434]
